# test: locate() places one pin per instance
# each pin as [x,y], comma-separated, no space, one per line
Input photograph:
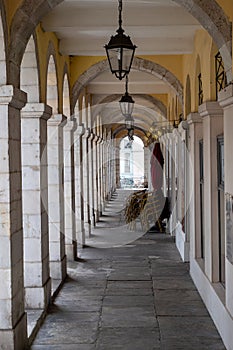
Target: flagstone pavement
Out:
[130,293]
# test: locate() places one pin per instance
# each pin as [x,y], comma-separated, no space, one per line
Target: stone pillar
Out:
[146,164]
[69,192]
[86,189]
[182,236]
[78,180]
[95,178]
[172,144]
[56,198]
[100,167]
[226,102]
[107,171]
[195,135]
[103,177]
[37,282]
[13,323]
[117,166]
[212,115]
[91,178]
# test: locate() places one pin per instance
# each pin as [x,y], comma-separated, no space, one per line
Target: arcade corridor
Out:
[68,152]
[131,297]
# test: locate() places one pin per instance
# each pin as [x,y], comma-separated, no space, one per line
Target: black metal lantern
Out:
[120,50]
[129,123]
[126,102]
[131,134]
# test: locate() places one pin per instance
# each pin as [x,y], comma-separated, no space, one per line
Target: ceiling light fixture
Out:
[120,50]
[126,102]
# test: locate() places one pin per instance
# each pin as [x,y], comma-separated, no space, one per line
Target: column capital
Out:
[194,118]
[210,108]
[96,138]
[225,96]
[183,126]
[100,140]
[71,125]
[12,96]
[57,120]
[79,130]
[36,110]
[86,133]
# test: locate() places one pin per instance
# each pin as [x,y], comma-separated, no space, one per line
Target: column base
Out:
[38,297]
[87,228]
[181,243]
[97,216]
[71,251]
[81,236]
[58,269]
[93,220]
[171,226]
[15,339]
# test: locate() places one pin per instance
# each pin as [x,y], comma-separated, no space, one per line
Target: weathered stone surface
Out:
[162,312]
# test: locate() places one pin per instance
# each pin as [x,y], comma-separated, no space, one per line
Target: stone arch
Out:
[66,95]
[209,14]
[187,97]
[3,46]
[29,77]
[139,64]
[213,19]
[52,82]
[159,106]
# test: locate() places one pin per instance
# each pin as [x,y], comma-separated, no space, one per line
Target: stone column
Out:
[56,198]
[13,323]
[78,180]
[182,236]
[172,144]
[37,281]
[107,151]
[212,115]
[91,178]
[95,177]
[195,135]
[226,102]
[100,178]
[86,189]
[104,161]
[69,192]
[117,166]
[146,164]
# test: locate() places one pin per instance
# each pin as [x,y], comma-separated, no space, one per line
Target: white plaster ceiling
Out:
[155,26]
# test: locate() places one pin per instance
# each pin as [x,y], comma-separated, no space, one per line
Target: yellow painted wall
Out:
[227,6]
[203,46]
[162,97]
[11,7]
[79,64]
[43,40]
[171,62]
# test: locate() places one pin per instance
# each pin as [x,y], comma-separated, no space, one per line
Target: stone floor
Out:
[128,294]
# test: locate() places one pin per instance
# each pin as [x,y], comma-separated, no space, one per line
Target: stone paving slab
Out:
[134,297]
[126,300]
[184,327]
[180,282]
[128,339]
[128,316]
[68,332]
[195,343]
[64,347]
[82,304]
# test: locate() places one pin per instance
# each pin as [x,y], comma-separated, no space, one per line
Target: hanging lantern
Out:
[120,50]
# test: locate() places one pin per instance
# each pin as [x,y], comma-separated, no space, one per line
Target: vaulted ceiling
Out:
[157,27]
